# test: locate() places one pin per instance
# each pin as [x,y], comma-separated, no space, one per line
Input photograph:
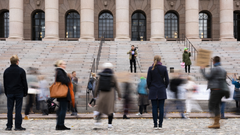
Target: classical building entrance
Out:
[72,25]
[4,24]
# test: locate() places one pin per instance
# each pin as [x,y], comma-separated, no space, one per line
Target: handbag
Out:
[58,90]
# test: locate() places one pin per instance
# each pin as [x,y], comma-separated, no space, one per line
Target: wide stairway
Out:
[79,57]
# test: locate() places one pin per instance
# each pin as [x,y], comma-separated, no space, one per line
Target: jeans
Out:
[214,101]
[187,68]
[155,104]
[133,61]
[222,109]
[11,98]
[61,114]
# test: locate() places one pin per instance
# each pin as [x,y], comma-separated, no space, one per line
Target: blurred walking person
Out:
[132,58]
[191,88]
[186,59]
[15,85]
[215,78]
[105,91]
[236,94]
[127,98]
[143,100]
[64,78]
[44,94]
[32,92]
[75,86]
[91,86]
[157,82]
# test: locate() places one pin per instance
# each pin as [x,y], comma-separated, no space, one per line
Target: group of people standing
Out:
[105,87]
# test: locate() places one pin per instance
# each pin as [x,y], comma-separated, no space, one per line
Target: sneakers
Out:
[139,114]
[110,126]
[160,128]
[26,117]
[155,128]
[89,105]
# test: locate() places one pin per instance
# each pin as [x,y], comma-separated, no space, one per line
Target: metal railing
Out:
[187,43]
[94,67]
[137,59]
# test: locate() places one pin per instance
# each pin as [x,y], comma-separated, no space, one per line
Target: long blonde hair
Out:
[156,59]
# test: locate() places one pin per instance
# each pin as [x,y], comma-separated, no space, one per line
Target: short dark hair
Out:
[132,45]
[216,59]
[73,72]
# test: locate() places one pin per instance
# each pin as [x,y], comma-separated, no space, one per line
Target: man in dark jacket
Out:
[15,85]
[215,78]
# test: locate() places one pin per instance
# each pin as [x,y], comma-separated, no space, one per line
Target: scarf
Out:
[158,63]
[217,64]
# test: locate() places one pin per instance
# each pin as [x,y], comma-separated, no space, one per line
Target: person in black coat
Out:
[15,85]
[64,78]
[157,82]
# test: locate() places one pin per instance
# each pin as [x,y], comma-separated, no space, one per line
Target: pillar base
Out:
[122,39]
[228,39]
[14,39]
[50,39]
[157,39]
[86,39]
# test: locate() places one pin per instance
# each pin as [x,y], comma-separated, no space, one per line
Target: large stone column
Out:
[226,20]
[15,20]
[157,20]
[87,20]
[122,20]
[192,20]
[51,20]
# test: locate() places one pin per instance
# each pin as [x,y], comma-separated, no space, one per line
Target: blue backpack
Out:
[142,86]
[90,86]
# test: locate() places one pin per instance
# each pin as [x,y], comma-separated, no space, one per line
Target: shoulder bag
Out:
[58,90]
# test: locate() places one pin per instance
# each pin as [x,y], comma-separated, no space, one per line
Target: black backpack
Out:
[105,83]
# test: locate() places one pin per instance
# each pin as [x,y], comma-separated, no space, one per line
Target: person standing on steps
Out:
[186,59]
[132,57]
[157,83]
[15,85]
[75,86]
[215,84]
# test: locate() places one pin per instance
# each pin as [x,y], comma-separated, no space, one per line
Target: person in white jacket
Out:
[191,88]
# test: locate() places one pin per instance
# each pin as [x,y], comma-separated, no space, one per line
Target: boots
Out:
[125,117]
[216,123]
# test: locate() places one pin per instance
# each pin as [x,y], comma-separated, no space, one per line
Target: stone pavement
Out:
[132,126]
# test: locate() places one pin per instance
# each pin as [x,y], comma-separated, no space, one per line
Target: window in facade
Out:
[4,24]
[105,25]
[138,26]
[236,25]
[38,25]
[171,25]
[204,25]
[72,25]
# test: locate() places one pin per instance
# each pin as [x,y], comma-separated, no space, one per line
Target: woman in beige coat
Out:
[105,91]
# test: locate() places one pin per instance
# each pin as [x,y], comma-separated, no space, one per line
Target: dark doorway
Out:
[138,26]
[72,25]
[38,25]
[236,17]
[4,24]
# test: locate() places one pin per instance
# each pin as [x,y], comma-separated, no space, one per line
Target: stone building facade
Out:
[120,20]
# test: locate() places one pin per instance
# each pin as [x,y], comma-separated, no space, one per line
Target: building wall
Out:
[177,6]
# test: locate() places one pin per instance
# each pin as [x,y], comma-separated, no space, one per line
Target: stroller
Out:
[51,105]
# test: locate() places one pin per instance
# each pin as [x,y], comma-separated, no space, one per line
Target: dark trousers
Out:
[93,100]
[74,109]
[11,98]
[61,114]
[158,103]
[29,105]
[110,118]
[141,108]
[43,106]
[214,101]
[133,62]
[187,68]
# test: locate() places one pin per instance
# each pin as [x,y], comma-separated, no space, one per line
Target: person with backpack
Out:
[157,82]
[105,91]
[217,84]
[132,57]
[143,101]
[236,94]
[91,87]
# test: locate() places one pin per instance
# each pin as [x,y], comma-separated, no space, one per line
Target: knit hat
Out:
[107,65]
[185,49]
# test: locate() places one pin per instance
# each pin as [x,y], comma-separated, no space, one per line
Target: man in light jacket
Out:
[132,57]
[214,84]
